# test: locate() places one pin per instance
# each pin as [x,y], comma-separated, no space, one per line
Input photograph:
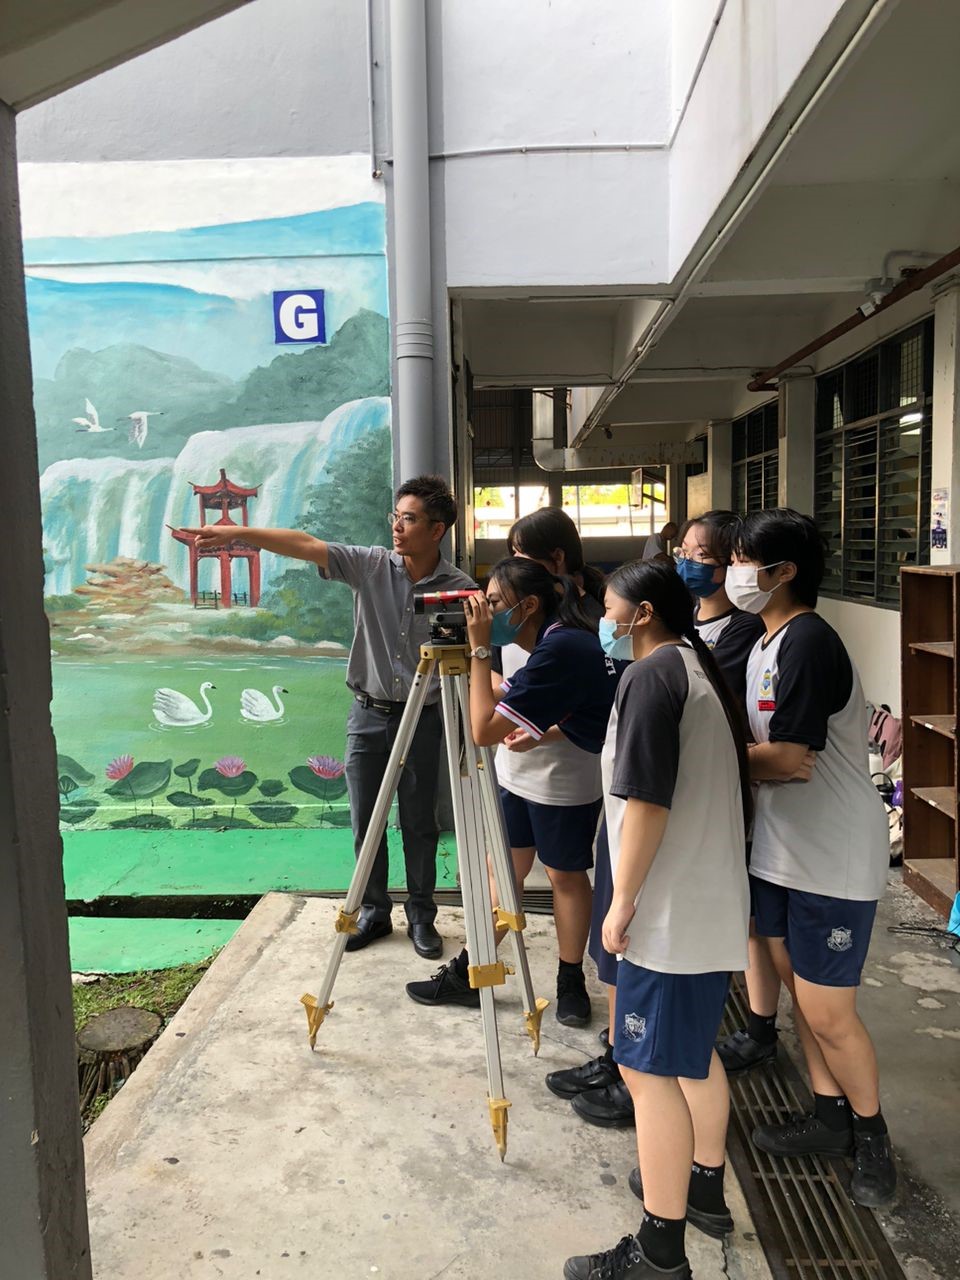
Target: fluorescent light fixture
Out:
[909,418]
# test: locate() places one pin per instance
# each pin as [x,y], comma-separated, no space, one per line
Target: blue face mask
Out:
[502,630]
[698,578]
[614,646]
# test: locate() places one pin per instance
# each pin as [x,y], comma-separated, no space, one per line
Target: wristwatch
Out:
[481,651]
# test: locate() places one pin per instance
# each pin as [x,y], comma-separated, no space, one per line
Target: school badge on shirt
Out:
[766,701]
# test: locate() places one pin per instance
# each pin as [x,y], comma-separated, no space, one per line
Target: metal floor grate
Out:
[806,1222]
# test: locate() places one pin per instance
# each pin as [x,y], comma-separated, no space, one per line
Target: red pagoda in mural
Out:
[224,496]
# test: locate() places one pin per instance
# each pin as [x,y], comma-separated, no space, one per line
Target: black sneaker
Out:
[626,1261]
[573,1003]
[609,1108]
[803,1136]
[595,1074]
[874,1178]
[716,1225]
[740,1052]
[445,987]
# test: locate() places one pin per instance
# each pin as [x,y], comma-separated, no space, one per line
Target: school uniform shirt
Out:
[668,743]
[557,773]
[731,637]
[828,835]
[567,681]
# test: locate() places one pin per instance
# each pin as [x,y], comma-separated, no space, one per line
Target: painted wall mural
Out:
[206,693]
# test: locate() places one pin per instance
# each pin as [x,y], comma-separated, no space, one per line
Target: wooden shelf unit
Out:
[929,629]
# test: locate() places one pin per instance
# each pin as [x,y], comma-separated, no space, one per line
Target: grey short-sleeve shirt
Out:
[388,634]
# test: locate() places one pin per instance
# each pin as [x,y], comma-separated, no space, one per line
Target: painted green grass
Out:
[102,713]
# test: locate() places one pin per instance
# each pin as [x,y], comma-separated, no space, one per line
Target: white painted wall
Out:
[549,72]
[872,637]
[755,58]
[691,22]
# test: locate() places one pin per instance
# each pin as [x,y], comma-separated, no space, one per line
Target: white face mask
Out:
[742,590]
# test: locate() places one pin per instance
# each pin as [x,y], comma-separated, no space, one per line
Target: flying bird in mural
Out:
[256,706]
[139,425]
[175,710]
[90,425]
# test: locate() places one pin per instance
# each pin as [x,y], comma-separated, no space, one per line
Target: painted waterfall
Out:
[159,385]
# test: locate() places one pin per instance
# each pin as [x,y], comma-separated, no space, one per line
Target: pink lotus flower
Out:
[326,766]
[230,766]
[119,768]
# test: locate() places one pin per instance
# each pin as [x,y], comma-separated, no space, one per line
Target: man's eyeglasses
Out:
[407,519]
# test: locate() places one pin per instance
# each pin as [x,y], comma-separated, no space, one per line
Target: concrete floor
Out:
[910,1001]
[235,1152]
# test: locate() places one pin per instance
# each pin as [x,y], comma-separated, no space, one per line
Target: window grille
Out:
[756,458]
[872,466]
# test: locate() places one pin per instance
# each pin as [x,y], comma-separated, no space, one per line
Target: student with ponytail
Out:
[677,796]
[563,693]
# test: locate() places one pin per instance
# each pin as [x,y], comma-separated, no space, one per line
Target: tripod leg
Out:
[509,912]
[318,1007]
[485,970]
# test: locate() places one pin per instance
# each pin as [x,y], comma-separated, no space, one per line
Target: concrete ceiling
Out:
[49,45]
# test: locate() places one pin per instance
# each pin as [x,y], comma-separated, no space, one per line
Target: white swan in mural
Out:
[177,711]
[90,425]
[256,706]
[139,425]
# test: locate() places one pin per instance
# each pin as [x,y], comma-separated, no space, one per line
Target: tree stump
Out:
[110,1047]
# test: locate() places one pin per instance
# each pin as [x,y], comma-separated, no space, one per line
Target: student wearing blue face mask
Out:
[564,692]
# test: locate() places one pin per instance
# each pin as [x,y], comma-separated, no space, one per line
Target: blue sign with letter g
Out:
[298,316]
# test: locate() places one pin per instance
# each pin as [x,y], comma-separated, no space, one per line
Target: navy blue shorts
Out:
[562,835]
[827,938]
[667,1022]
[607,964]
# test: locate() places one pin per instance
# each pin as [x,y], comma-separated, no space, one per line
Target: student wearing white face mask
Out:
[820,850]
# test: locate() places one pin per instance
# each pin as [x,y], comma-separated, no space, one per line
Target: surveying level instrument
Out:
[480,829]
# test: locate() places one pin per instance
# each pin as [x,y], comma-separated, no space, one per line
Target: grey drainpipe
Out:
[413,322]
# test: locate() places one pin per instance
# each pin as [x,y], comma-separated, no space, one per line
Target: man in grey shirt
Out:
[380,671]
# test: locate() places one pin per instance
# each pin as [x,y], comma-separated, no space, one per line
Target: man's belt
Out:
[389,708]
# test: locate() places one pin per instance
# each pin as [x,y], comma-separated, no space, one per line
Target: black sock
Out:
[834,1112]
[706,1188]
[761,1028]
[661,1240]
[869,1125]
[461,964]
[566,967]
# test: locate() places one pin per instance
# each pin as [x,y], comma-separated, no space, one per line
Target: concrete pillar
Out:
[676,493]
[945,470]
[797,442]
[42,1205]
[719,465]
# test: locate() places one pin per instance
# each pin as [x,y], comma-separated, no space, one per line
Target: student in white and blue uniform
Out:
[557,774]
[677,799]
[564,693]
[820,843]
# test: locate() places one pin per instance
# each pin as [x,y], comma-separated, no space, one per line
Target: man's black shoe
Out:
[874,1178]
[369,930]
[803,1136]
[626,1261]
[610,1108]
[445,987]
[604,1037]
[595,1074]
[716,1225]
[426,941]
[740,1052]
[573,1003]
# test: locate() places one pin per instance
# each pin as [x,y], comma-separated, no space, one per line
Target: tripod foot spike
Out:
[315,1016]
[533,1018]
[498,1118]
